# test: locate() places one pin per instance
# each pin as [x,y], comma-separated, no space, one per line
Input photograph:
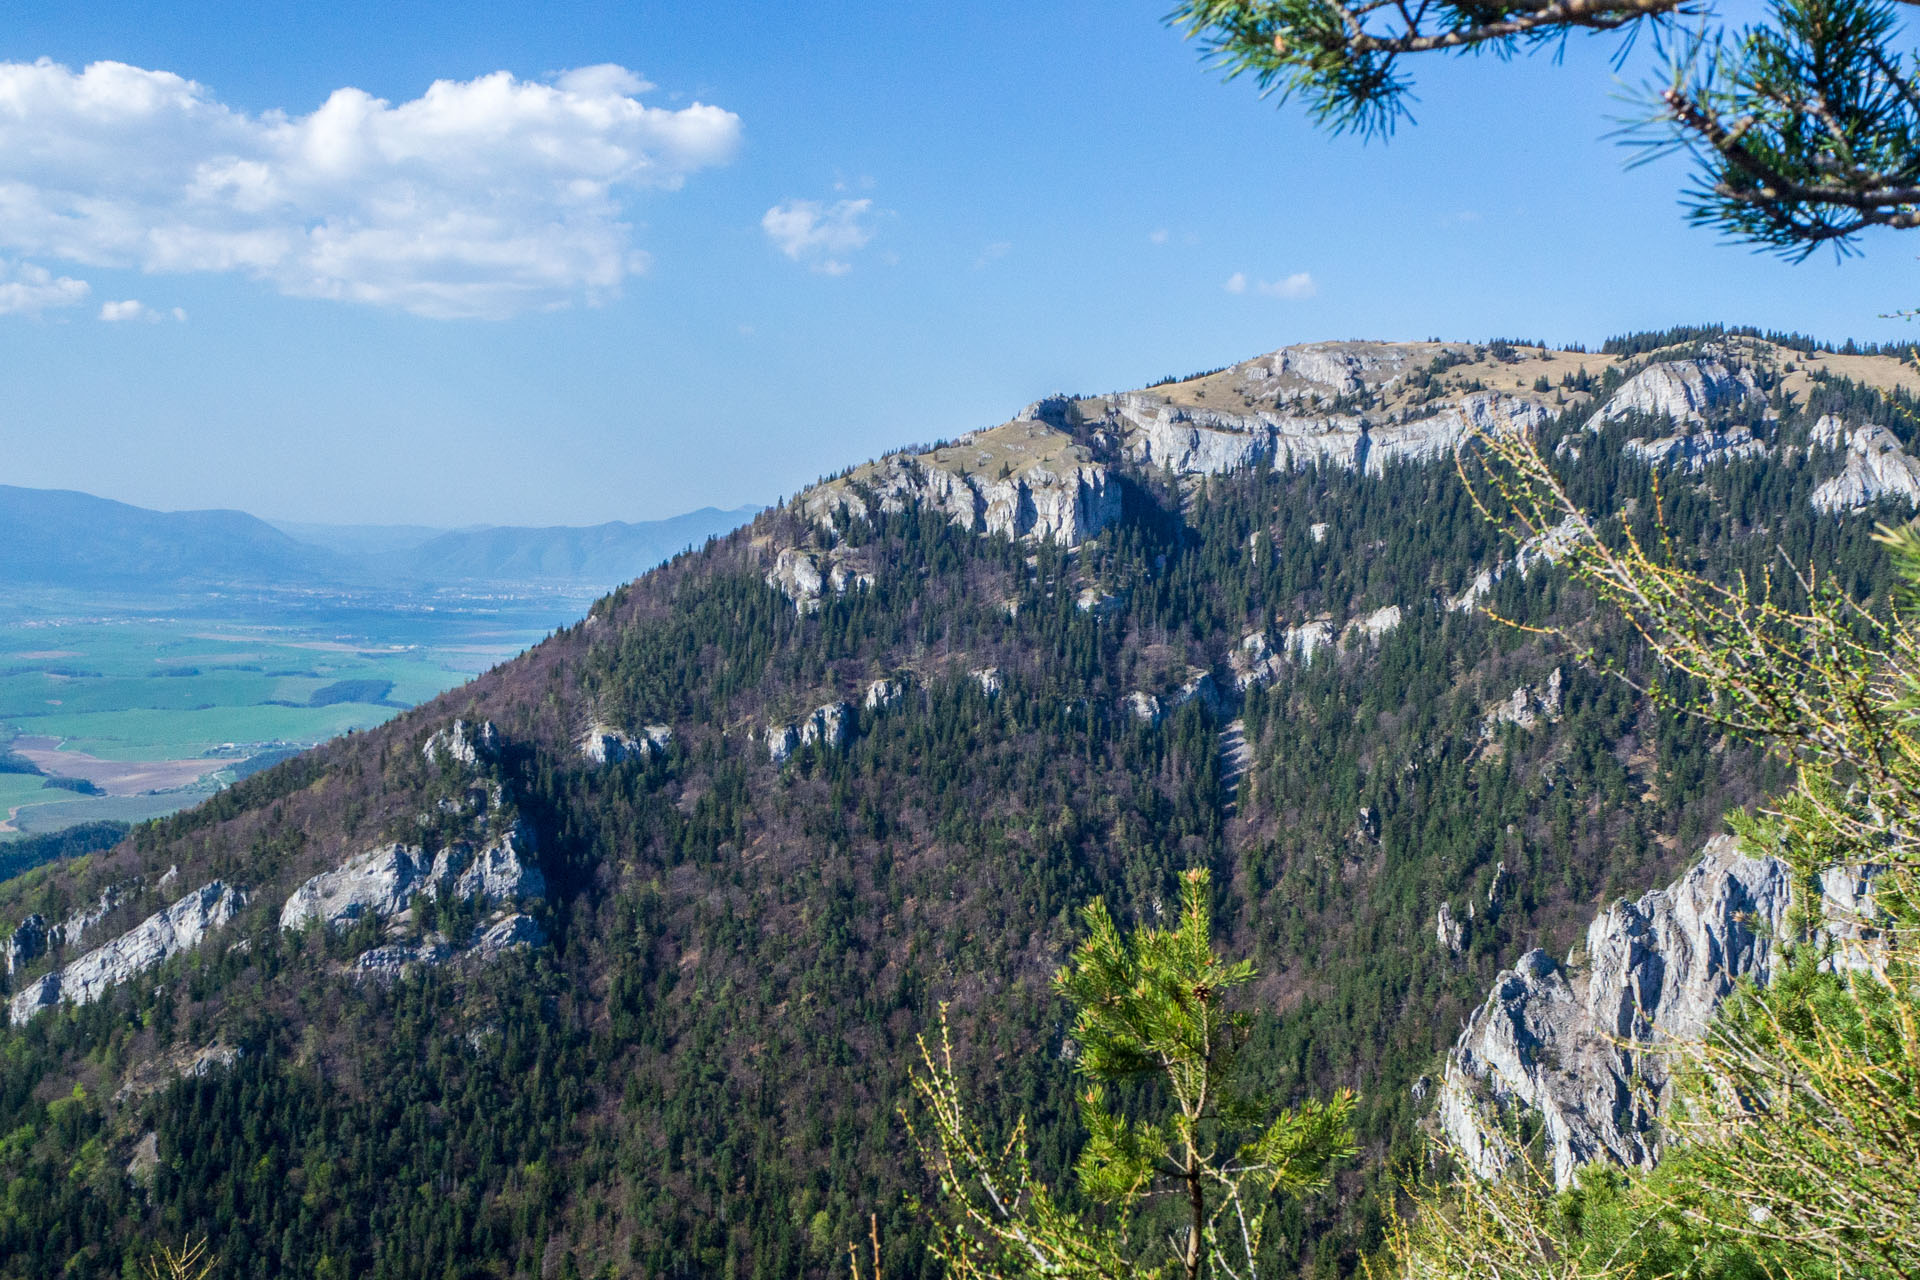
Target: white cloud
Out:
[1158,235]
[481,197]
[134,309]
[27,290]
[993,253]
[1298,285]
[818,234]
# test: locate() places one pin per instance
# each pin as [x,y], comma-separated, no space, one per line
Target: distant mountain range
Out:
[63,538]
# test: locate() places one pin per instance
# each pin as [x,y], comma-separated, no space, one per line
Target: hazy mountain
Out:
[612,961]
[62,538]
[74,540]
[604,554]
[359,539]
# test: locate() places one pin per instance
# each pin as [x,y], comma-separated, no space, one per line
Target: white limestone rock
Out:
[806,577]
[1543,548]
[829,726]
[1372,628]
[386,963]
[1693,451]
[1024,479]
[882,695]
[1099,603]
[604,744]
[509,933]
[463,744]
[1198,687]
[1525,707]
[164,934]
[27,943]
[380,882]
[1318,531]
[1144,706]
[72,931]
[1830,432]
[1307,639]
[1685,391]
[1574,1046]
[1450,931]
[1876,467]
[502,871]
[988,678]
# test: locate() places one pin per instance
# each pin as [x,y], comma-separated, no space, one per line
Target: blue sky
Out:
[1057,196]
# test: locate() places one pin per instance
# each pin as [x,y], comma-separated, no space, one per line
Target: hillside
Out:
[611,961]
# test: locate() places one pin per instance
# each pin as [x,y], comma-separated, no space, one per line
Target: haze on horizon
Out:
[386,264]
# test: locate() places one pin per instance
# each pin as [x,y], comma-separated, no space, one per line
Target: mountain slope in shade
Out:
[612,961]
[56,537]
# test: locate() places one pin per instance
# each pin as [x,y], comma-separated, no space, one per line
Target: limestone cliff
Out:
[161,935]
[1579,1044]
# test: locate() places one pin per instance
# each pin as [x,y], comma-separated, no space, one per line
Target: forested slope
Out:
[1018,682]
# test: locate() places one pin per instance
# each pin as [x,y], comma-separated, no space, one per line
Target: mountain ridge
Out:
[694,1071]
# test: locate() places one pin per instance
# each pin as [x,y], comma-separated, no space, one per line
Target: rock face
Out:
[26,943]
[1450,932]
[1025,479]
[1877,467]
[1695,450]
[988,678]
[463,744]
[382,882]
[1567,1042]
[604,744]
[1687,391]
[782,741]
[161,935]
[1191,441]
[805,577]
[882,694]
[1525,707]
[1370,629]
[829,726]
[1307,639]
[1542,548]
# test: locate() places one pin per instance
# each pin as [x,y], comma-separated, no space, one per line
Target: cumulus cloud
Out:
[134,309]
[1298,285]
[27,290]
[481,197]
[820,235]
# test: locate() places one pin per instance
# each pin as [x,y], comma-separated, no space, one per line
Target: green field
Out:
[96,687]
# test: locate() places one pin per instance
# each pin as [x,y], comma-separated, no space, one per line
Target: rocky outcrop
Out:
[1370,629]
[829,726]
[988,678]
[604,744]
[463,744]
[1687,391]
[1693,451]
[382,882]
[27,943]
[1307,639]
[1525,707]
[1025,479]
[152,942]
[1192,441]
[72,931]
[782,741]
[1579,1044]
[1450,932]
[805,577]
[883,694]
[511,931]
[1876,467]
[1144,706]
[1543,548]
[1099,603]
